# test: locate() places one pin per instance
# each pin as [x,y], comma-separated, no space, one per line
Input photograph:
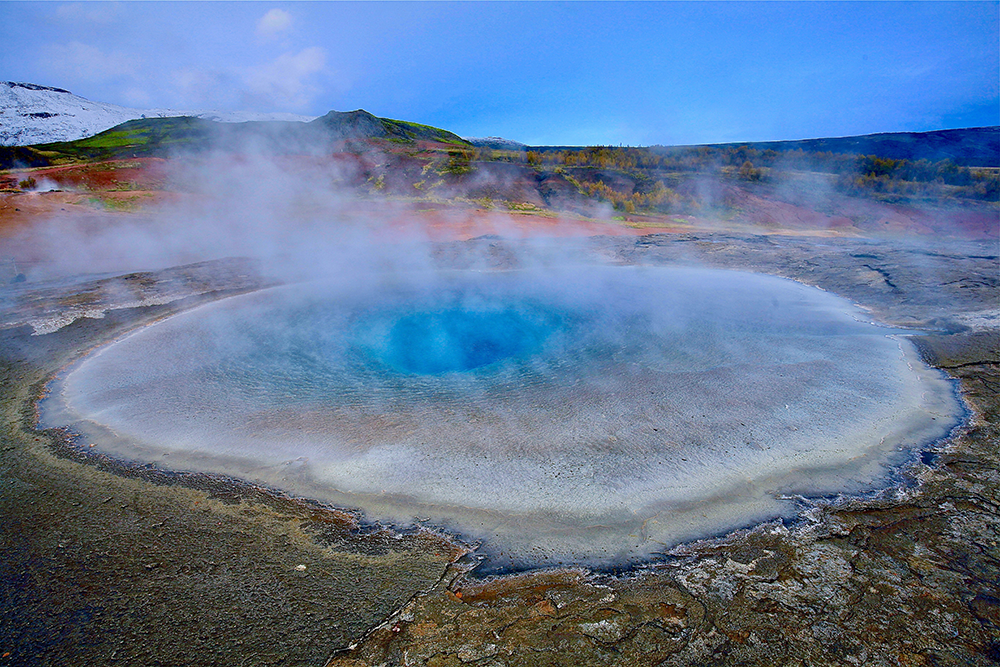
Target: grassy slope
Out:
[426,132]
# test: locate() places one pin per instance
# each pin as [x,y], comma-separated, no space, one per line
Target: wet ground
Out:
[110,563]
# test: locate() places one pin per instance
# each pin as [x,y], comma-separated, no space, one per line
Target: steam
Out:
[304,217]
[299,221]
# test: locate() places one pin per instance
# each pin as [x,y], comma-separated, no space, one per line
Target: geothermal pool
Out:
[590,415]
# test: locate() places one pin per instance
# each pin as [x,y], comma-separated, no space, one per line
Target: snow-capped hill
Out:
[496,143]
[33,114]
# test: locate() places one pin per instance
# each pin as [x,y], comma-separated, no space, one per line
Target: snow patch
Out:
[33,114]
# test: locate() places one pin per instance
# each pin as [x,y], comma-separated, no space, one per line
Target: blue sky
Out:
[574,73]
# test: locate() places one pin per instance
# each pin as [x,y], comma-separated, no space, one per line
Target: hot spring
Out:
[593,415]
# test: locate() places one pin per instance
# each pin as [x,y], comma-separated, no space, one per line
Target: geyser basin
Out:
[589,415]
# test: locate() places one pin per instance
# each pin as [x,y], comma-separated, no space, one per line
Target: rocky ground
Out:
[111,563]
[907,578]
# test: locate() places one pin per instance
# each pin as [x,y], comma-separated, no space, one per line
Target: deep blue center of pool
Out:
[456,340]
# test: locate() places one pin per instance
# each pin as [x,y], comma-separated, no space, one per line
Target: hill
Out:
[360,124]
[149,137]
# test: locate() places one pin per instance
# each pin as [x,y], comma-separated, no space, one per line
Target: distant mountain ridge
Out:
[33,114]
[970,147]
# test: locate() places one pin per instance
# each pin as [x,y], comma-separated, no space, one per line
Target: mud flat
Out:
[126,562]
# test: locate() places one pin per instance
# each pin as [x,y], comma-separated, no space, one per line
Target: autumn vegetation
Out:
[656,171]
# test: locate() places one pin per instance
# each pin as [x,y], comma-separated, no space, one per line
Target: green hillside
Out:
[149,137]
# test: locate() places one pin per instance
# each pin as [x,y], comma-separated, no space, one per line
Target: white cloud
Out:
[273,23]
[285,83]
[82,62]
[206,89]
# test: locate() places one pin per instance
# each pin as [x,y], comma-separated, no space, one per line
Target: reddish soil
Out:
[19,210]
[136,173]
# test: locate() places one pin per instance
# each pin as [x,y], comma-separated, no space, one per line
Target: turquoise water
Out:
[454,340]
